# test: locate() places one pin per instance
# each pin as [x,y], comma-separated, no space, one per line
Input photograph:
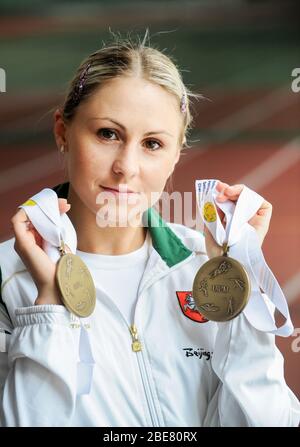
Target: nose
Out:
[126,163]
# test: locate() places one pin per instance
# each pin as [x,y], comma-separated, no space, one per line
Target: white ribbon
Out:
[245,247]
[42,210]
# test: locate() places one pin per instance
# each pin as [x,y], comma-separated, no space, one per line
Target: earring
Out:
[62,148]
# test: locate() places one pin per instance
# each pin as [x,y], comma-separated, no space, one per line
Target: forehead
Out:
[133,99]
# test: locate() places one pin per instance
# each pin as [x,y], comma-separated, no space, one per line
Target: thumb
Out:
[63,206]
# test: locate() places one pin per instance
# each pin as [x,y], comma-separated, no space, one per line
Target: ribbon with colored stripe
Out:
[242,240]
[43,212]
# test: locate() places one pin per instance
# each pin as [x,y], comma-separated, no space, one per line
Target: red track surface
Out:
[229,161]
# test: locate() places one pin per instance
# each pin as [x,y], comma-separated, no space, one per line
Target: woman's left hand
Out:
[260,221]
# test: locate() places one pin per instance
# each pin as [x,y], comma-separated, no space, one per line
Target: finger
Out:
[265,209]
[26,234]
[20,215]
[20,223]
[266,205]
[234,190]
[230,193]
[221,214]
[38,237]
[28,248]
[63,206]
[221,186]
[67,248]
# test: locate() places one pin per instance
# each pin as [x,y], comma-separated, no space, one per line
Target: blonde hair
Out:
[124,56]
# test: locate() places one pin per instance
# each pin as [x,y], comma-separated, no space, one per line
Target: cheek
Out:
[157,176]
[85,163]
[78,166]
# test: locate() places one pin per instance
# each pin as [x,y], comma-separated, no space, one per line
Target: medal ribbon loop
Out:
[57,231]
[43,211]
[243,244]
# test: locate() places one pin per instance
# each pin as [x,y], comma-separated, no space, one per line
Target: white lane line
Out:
[258,111]
[291,288]
[247,117]
[274,166]
[29,171]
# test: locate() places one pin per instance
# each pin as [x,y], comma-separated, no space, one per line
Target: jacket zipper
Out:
[136,344]
[138,348]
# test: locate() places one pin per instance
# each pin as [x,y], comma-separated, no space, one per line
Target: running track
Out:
[233,159]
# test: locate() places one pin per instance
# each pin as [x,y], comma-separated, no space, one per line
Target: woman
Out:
[152,366]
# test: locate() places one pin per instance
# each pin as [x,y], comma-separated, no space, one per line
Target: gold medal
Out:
[75,283]
[221,288]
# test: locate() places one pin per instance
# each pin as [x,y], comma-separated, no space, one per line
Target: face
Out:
[126,133]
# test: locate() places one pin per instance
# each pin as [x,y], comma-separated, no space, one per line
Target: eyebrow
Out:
[124,128]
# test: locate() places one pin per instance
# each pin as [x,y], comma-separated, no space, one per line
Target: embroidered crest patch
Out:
[188,306]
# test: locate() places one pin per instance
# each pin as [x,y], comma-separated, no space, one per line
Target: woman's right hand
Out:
[28,245]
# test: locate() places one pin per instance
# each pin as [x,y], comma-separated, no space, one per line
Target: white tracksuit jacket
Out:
[188,373]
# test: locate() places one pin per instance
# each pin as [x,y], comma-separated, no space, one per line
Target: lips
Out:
[117,190]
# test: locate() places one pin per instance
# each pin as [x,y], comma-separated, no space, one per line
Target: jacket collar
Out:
[164,240]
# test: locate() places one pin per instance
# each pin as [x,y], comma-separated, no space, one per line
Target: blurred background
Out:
[240,54]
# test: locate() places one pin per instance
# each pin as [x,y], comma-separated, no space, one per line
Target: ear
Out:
[59,129]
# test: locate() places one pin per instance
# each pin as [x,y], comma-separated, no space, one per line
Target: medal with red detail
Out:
[188,306]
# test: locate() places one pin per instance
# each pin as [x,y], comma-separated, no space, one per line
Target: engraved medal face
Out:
[76,285]
[221,288]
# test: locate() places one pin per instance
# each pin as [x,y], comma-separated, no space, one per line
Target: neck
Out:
[92,238]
